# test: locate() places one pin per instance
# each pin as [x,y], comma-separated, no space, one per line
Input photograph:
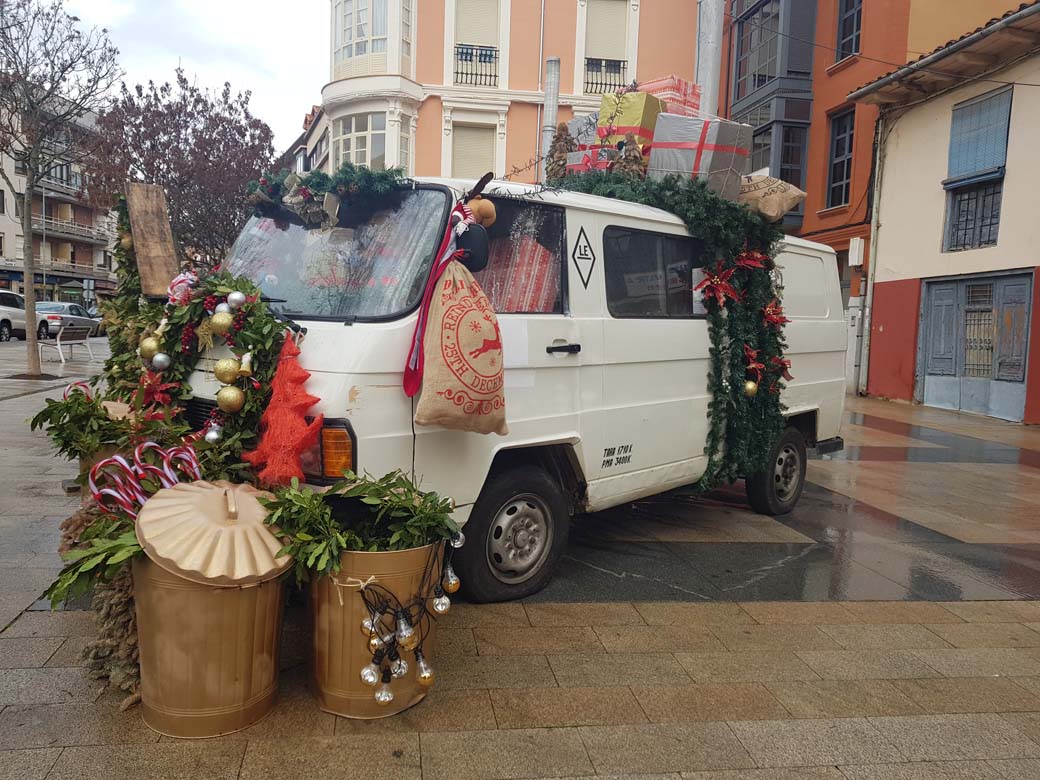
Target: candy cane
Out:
[125,491]
[83,387]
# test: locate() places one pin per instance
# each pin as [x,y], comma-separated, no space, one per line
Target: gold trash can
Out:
[208,594]
[340,647]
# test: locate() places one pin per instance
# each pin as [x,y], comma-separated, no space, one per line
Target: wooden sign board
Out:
[153,239]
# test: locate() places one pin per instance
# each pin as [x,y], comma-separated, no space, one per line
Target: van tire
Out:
[776,490]
[529,493]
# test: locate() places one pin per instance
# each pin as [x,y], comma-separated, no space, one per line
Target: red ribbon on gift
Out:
[701,146]
[606,132]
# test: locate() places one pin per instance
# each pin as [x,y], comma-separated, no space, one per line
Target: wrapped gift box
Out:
[597,158]
[679,95]
[583,130]
[715,150]
[631,112]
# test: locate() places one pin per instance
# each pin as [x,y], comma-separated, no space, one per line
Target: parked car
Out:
[98,317]
[56,314]
[12,317]
[606,353]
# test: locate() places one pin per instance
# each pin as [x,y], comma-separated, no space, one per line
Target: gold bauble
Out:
[230,399]
[750,388]
[226,370]
[150,347]
[221,322]
[126,241]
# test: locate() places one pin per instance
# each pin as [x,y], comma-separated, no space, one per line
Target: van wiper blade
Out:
[265,299]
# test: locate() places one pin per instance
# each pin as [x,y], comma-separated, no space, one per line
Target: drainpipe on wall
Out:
[552,102]
[875,225]
[538,117]
[710,14]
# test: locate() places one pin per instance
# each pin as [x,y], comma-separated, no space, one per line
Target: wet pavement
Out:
[937,509]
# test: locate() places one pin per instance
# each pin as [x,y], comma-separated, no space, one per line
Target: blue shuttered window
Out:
[975,175]
[850,19]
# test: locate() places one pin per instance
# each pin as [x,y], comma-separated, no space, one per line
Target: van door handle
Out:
[571,348]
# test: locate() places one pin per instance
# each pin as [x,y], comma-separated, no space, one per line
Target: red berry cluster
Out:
[229,339]
[187,335]
[216,417]
[240,321]
[210,303]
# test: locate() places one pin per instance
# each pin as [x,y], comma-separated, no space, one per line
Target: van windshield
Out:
[373,265]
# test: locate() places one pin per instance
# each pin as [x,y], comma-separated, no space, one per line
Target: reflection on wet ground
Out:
[906,512]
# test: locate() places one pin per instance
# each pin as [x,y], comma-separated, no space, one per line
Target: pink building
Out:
[455,87]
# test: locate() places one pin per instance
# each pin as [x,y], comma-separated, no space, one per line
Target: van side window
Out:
[650,275]
[524,270]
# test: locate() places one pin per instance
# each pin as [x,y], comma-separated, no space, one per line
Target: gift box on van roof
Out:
[583,130]
[630,112]
[679,95]
[596,158]
[715,150]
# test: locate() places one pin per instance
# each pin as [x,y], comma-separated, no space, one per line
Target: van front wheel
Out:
[515,535]
[777,489]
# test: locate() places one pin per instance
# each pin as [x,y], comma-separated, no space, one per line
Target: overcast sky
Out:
[278,49]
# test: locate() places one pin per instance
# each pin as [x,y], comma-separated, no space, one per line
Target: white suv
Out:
[12,317]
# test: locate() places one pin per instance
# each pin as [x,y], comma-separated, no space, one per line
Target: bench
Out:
[70,336]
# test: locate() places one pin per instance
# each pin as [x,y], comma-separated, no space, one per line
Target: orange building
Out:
[455,87]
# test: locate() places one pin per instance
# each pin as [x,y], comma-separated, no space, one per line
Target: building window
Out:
[19,167]
[975,183]
[606,44]
[317,154]
[3,202]
[472,151]
[404,154]
[1,245]
[406,28]
[850,18]
[792,154]
[757,48]
[361,139]
[476,43]
[650,275]
[839,175]
[18,205]
[761,149]
[359,28]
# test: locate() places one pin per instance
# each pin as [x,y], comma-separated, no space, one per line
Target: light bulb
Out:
[368,626]
[370,674]
[451,581]
[458,539]
[398,667]
[423,671]
[441,604]
[405,630]
[384,695]
[375,642]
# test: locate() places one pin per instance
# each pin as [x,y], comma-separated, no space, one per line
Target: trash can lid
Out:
[212,533]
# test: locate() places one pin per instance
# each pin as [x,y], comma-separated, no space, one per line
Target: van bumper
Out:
[829,445]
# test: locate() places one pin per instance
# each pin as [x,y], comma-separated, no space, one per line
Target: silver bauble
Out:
[222,308]
[214,434]
[161,361]
[236,300]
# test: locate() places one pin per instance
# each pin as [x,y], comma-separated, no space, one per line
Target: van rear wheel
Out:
[515,535]
[776,490]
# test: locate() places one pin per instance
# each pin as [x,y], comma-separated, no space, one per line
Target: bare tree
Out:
[202,146]
[55,79]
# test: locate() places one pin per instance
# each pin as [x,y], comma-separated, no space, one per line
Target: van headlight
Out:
[334,453]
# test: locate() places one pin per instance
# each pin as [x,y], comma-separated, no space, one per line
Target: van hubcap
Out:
[520,539]
[787,473]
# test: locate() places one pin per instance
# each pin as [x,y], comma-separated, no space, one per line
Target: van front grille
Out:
[197,412]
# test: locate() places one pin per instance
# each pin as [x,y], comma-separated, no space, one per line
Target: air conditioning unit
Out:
[856,246]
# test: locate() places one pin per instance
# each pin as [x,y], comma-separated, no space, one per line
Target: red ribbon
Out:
[783,366]
[636,130]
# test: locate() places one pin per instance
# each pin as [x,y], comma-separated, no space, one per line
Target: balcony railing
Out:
[476,65]
[73,184]
[68,227]
[603,76]
[61,266]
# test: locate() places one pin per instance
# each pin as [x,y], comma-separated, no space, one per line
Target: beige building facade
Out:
[455,87]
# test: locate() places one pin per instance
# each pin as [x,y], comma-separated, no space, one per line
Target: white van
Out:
[606,362]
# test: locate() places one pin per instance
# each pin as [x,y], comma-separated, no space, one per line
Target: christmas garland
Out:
[741,292]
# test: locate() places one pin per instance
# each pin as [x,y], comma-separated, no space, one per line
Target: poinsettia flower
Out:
[754,365]
[749,258]
[774,314]
[716,285]
[155,391]
[782,366]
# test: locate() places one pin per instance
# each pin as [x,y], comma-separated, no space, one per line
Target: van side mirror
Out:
[475,248]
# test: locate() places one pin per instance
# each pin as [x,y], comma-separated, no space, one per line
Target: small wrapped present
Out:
[716,150]
[597,158]
[771,198]
[631,112]
[583,130]
[679,95]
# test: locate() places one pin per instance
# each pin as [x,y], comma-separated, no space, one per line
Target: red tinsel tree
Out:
[284,431]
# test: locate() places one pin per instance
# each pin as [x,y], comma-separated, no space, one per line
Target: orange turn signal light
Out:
[337,452]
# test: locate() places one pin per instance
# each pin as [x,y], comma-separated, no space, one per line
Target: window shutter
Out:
[472,151]
[476,22]
[942,330]
[979,133]
[803,30]
[1012,323]
[606,30]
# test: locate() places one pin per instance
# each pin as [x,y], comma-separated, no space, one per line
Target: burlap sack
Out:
[772,198]
[462,345]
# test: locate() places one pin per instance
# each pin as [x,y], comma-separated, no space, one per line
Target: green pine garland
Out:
[742,429]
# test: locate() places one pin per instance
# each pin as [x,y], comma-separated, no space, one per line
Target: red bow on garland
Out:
[774,314]
[754,366]
[716,285]
[749,258]
[782,366]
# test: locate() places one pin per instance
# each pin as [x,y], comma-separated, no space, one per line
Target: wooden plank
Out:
[156,253]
